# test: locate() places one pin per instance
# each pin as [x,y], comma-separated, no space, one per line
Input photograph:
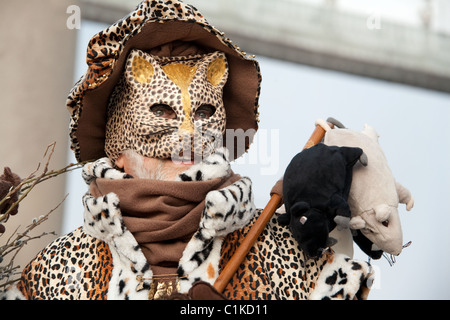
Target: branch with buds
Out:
[17,191]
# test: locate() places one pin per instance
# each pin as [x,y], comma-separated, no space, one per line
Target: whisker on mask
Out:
[157,131]
[211,122]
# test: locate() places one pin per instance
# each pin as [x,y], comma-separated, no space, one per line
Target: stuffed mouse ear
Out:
[299,208]
[296,210]
[330,242]
[363,159]
[351,155]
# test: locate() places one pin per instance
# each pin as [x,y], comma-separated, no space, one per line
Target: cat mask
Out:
[168,108]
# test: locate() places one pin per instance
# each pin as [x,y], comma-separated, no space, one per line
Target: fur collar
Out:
[226,210]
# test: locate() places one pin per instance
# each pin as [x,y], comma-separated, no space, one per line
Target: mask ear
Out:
[140,67]
[216,66]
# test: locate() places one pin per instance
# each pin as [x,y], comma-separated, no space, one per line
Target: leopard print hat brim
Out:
[162,28]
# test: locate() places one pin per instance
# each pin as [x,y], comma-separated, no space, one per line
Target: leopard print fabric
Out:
[75,266]
[274,269]
[182,85]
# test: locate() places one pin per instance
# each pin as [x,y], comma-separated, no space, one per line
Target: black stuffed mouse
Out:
[316,185]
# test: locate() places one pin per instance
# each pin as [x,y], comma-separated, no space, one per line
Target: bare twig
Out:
[27,184]
[23,238]
[52,174]
[9,271]
[50,147]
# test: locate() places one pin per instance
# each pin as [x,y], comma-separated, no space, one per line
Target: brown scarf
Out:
[161,215]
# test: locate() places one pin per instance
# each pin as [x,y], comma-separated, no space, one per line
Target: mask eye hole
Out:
[163,111]
[204,112]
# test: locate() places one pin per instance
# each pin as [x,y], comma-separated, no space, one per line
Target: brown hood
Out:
[166,29]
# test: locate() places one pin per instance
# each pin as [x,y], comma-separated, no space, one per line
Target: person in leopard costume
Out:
[164,212]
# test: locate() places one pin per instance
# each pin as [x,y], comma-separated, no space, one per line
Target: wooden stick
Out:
[241,252]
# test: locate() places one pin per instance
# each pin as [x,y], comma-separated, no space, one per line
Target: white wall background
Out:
[412,124]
